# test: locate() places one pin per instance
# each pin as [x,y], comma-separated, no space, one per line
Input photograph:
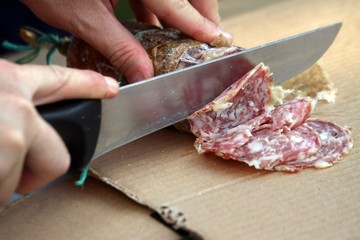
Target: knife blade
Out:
[91,128]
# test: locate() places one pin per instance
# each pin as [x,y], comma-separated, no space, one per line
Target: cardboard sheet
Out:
[219,199]
[68,212]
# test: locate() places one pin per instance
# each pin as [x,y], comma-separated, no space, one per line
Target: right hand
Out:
[31,153]
[94,22]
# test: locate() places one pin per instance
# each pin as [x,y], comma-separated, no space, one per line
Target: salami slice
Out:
[241,124]
[268,148]
[269,139]
[242,101]
[336,142]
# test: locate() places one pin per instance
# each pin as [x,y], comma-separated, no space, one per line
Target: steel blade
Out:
[150,105]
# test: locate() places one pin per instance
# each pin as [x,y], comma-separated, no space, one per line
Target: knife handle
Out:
[78,124]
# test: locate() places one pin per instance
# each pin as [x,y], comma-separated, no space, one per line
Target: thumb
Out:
[123,50]
[45,84]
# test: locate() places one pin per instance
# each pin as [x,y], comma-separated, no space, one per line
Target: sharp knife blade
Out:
[90,128]
[148,106]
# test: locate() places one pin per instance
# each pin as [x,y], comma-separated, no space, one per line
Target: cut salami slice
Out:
[269,139]
[268,148]
[242,124]
[242,101]
[336,143]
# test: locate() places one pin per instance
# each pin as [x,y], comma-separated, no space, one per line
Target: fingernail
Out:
[136,77]
[227,35]
[112,84]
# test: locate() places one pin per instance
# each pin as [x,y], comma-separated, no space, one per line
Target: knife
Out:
[91,128]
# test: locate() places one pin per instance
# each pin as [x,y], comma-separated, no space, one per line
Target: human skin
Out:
[94,21]
[31,152]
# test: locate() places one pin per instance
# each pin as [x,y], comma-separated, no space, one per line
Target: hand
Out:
[95,22]
[31,152]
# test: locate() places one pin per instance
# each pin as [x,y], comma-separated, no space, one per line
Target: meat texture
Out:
[246,122]
[243,124]
[169,49]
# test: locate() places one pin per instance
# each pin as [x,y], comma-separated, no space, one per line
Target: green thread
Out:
[50,41]
[50,54]
[123,81]
[15,47]
[83,176]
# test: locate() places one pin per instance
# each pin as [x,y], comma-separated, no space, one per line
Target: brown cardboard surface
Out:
[68,212]
[219,199]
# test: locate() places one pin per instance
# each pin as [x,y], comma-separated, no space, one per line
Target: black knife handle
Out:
[78,124]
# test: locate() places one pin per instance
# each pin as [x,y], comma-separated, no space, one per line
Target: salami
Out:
[242,124]
[242,101]
[168,48]
[249,121]
[336,142]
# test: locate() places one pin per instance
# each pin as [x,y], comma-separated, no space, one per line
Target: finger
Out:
[11,162]
[46,160]
[182,15]
[95,23]
[16,131]
[143,14]
[208,8]
[118,45]
[53,83]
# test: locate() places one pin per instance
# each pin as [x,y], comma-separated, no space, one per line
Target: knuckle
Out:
[15,144]
[25,109]
[177,5]
[15,140]
[181,4]
[122,56]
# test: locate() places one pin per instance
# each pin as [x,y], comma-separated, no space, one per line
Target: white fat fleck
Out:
[345,150]
[296,139]
[328,96]
[324,136]
[254,163]
[289,117]
[219,106]
[255,146]
[232,116]
[322,164]
[272,157]
[199,149]
[301,156]
[269,108]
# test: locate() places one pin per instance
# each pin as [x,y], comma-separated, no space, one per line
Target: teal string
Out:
[50,54]
[122,81]
[53,41]
[83,176]
[16,47]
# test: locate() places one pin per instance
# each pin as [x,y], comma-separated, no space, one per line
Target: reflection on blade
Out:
[150,105]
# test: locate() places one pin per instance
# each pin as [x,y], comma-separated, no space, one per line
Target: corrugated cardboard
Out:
[68,212]
[219,199]
[214,198]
